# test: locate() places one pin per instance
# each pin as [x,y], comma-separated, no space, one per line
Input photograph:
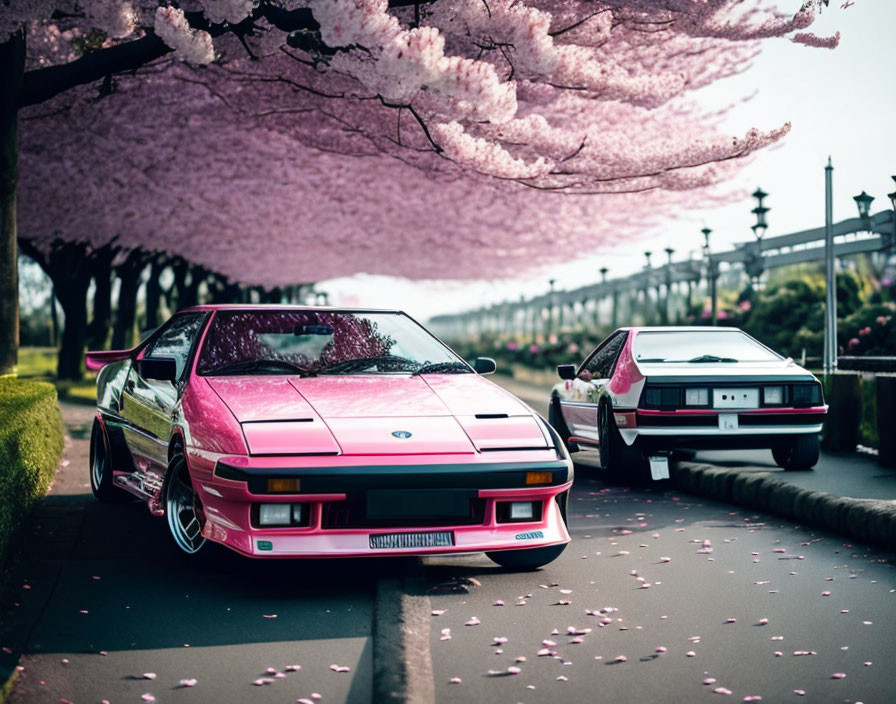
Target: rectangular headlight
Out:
[297,513]
[521,510]
[274,514]
[773,395]
[696,397]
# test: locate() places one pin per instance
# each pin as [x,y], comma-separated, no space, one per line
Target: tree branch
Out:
[45,83]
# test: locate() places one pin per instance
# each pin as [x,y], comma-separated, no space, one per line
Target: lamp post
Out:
[551,283]
[603,280]
[754,265]
[665,308]
[892,197]
[830,308]
[712,275]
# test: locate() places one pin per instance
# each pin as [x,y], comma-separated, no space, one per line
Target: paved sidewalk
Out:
[849,493]
[100,596]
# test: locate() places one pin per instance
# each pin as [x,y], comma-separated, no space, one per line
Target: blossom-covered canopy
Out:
[288,141]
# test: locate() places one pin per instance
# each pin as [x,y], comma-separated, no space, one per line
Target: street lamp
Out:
[759,211]
[665,309]
[551,283]
[863,203]
[712,275]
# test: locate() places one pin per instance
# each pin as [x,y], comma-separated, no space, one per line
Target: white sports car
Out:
[645,392]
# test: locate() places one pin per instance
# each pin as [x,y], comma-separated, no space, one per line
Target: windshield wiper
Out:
[652,359]
[443,368]
[253,365]
[356,365]
[710,358]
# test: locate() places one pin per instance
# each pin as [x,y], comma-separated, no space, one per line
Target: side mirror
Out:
[96,360]
[160,368]
[485,365]
[566,371]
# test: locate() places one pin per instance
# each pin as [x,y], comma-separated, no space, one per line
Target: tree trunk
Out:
[54,318]
[187,293]
[128,273]
[70,269]
[98,330]
[154,294]
[72,294]
[12,71]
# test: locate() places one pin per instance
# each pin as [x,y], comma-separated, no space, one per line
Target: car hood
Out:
[784,368]
[377,414]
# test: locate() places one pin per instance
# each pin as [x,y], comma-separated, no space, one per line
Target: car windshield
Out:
[700,346]
[321,342]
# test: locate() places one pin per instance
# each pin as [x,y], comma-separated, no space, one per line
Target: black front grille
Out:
[353,513]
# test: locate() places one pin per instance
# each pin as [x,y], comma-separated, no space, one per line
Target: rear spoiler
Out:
[96,360]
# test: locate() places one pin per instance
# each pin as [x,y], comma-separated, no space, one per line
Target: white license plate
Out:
[432,539]
[727,421]
[735,398]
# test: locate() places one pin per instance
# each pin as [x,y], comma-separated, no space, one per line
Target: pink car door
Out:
[148,404]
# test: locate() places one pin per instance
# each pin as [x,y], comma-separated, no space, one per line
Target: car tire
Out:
[799,453]
[529,559]
[555,418]
[618,460]
[183,509]
[101,477]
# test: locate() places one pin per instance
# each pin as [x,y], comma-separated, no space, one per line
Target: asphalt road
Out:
[734,597]
[672,599]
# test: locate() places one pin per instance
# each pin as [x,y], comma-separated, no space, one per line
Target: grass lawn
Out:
[40,363]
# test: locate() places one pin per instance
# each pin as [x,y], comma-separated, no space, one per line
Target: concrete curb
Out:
[402,663]
[868,520]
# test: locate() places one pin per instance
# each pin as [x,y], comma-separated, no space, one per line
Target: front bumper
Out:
[340,519]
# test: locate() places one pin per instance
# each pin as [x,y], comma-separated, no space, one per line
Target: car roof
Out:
[283,307]
[682,328]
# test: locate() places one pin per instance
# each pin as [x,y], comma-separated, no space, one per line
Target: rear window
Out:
[700,346]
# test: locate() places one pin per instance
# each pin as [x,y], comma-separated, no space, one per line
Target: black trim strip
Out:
[338,480]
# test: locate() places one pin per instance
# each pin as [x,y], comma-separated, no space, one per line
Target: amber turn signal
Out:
[538,477]
[284,486]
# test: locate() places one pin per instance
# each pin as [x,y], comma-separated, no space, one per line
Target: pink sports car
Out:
[320,432]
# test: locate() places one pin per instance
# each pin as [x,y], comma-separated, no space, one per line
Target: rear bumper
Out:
[767,428]
[338,520]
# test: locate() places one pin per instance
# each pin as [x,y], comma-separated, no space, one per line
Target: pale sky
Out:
[841,103]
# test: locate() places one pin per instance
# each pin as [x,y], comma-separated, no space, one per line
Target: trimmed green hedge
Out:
[31,440]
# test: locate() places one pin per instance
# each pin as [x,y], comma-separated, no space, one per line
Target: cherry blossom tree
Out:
[554,97]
